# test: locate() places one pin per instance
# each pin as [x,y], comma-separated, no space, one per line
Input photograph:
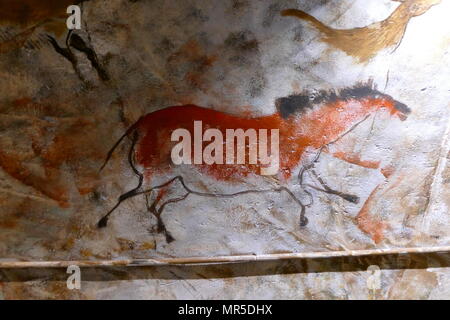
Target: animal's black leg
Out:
[303,219]
[69,35]
[78,43]
[310,166]
[348,197]
[161,225]
[161,228]
[152,208]
[132,193]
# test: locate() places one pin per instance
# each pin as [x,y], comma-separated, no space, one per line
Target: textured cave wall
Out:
[59,118]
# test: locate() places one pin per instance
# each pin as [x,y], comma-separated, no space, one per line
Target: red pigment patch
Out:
[313,129]
[387,171]
[354,158]
[368,224]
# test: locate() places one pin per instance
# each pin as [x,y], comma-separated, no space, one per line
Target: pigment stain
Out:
[27,13]
[29,16]
[373,227]
[355,159]
[61,155]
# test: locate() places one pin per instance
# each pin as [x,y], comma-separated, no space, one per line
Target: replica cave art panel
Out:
[171,129]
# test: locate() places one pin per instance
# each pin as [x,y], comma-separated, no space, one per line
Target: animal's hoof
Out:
[351,198]
[102,223]
[303,221]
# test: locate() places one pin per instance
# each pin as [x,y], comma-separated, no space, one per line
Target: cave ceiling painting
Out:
[364,43]
[331,116]
[346,147]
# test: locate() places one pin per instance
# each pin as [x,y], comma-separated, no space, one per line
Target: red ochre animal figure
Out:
[305,122]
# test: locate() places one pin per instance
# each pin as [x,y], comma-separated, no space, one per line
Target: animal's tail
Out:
[307,17]
[111,151]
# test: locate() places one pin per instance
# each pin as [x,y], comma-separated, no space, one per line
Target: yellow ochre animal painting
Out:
[364,43]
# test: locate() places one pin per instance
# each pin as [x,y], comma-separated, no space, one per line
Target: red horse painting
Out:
[305,122]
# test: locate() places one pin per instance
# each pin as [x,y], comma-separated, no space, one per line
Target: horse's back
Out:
[184,117]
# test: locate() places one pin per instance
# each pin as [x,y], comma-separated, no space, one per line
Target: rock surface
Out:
[62,109]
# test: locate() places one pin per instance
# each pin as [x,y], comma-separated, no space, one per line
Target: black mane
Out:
[300,103]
